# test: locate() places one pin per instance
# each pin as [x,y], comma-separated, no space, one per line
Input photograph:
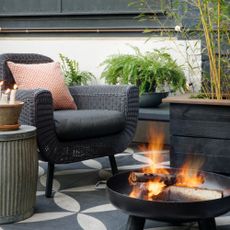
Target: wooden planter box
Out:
[200,127]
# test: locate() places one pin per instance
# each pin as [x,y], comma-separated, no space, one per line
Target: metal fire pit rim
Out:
[165,201]
[170,211]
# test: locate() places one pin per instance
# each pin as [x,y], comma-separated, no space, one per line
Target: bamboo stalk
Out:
[209,22]
[218,41]
[213,70]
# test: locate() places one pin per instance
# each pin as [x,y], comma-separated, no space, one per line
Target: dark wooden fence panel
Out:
[199,112]
[200,121]
[214,152]
[28,7]
[210,129]
[109,6]
[50,15]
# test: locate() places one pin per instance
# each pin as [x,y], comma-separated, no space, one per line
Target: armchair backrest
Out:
[23,58]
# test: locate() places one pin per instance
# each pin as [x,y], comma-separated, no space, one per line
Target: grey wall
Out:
[78,14]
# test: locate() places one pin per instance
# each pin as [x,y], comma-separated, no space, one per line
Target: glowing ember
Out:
[154,189]
[136,192]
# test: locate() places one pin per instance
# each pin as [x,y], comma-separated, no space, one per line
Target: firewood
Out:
[168,179]
[186,194]
[139,191]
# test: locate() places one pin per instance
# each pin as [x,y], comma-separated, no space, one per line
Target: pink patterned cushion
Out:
[47,76]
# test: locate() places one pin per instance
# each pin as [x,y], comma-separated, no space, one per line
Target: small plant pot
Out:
[148,100]
[9,115]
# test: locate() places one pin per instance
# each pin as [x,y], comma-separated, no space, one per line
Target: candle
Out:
[4,98]
[13,94]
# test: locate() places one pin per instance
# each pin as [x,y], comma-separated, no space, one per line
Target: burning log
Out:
[168,179]
[186,194]
[139,191]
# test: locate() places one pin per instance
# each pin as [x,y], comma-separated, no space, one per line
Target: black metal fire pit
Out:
[204,212]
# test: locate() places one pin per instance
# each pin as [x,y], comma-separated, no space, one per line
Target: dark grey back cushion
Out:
[80,124]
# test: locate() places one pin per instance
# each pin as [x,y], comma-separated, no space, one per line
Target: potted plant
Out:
[153,72]
[72,74]
[200,124]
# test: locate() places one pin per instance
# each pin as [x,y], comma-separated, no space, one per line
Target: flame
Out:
[136,192]
[15,86]
[154,188]
[189,175]
[1,83]
[152,152]
[7,91]
[147,190]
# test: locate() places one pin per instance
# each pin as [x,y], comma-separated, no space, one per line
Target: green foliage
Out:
[212,27]
[207,20]
[72,73]
[148,71]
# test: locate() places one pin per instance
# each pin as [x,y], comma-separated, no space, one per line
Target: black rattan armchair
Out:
[38,111]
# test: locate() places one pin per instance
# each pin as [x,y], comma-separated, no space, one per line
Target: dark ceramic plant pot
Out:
[151,99]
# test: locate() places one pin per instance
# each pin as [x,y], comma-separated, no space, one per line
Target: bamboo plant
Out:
[212,26]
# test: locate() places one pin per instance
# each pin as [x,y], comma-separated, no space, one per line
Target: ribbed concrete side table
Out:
[18,173]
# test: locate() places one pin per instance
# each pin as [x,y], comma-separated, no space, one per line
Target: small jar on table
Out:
[18,174]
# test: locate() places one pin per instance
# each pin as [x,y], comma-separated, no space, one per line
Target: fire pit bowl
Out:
[204,212]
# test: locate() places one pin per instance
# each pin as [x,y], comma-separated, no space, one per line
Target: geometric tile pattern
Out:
[80,200]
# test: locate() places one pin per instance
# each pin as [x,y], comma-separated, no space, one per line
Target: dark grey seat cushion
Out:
[79,124]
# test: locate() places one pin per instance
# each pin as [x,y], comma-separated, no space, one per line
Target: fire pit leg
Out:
[207,224]
[135,223]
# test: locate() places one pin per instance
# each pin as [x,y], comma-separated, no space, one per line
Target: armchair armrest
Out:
[38,111]
[33,98]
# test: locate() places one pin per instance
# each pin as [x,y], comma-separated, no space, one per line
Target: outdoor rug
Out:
[80,200]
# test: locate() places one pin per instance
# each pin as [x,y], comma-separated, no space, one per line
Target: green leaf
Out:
[148,70]
[72,73]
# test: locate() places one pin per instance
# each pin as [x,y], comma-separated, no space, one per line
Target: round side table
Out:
[18,174]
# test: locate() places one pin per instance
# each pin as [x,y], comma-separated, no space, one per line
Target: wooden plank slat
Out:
[111,6]
[211,129]
[186,99]
[90,7]
[65,16]
[72,23]
[199,112]
[215,152]
[29,6]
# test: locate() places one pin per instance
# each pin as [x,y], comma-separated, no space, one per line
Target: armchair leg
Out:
[113,164]
[49,179]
